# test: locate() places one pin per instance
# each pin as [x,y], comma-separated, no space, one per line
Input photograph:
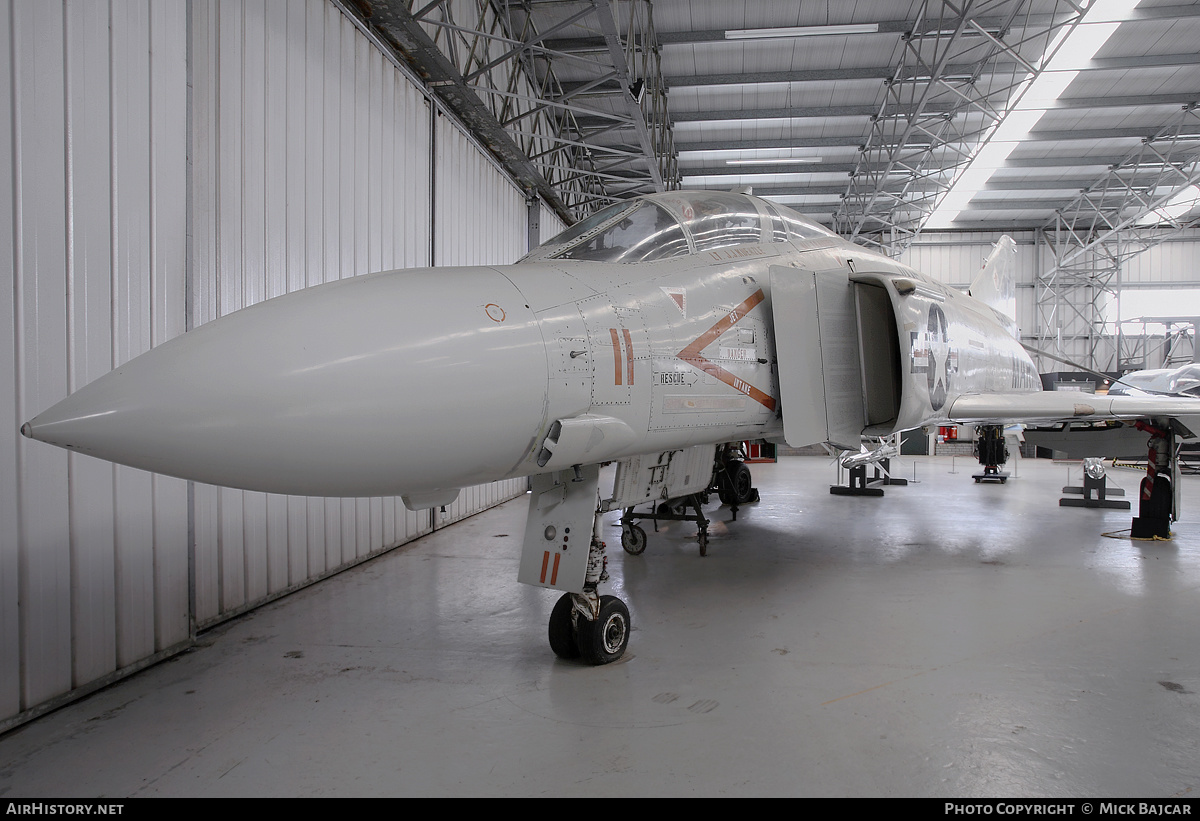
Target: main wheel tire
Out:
[604,640]
[724,483]
[742,486]
[562,633]
[633,539]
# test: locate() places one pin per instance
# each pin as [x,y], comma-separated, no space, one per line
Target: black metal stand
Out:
[991,473]
[861,486]
[1155,519]
[664,512]
[1100,488]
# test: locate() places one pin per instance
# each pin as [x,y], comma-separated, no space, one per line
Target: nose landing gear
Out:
[583,624]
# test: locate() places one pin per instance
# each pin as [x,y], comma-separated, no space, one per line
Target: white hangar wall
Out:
[1173,265]
[305,156]
[956,258]
[550,225]
[93,557]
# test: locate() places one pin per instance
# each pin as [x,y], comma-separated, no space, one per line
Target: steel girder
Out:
[489,62]
[931,124]
[1090,239]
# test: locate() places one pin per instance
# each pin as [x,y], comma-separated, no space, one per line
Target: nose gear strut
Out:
[583,624]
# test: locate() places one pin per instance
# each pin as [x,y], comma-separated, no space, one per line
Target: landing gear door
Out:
[558,529]
[816,343]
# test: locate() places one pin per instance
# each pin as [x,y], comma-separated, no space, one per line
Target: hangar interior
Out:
[170,163]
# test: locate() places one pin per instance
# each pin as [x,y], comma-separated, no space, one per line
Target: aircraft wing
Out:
[1068,406]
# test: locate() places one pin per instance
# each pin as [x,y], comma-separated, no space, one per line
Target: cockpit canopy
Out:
[1185,381]
[660,226]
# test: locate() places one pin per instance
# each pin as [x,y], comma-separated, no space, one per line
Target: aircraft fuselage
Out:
[420,382]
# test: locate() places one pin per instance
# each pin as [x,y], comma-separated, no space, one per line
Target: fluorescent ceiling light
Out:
[775,161]
[800,31]
[964,33]
[945,78]
[1075,47]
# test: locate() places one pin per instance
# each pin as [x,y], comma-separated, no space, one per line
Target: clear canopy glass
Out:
[677,223]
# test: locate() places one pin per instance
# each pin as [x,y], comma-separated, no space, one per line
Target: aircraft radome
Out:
[650,334]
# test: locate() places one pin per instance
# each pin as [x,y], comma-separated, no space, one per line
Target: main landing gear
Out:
[731,478]
[1156,503]
[992,453]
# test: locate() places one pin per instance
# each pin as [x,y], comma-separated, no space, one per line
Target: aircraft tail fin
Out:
[996,284]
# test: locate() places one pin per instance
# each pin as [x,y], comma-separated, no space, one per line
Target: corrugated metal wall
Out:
[491,210]
[550,225]
[310,161]
[93,557]
[1176,261]
[955,258]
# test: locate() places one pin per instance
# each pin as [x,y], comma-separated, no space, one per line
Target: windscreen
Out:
[637,232]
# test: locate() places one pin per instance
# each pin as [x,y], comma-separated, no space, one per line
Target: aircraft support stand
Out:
[860,485]
[1094,482]
[633,538]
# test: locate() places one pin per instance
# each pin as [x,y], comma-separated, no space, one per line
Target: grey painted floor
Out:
[949,639]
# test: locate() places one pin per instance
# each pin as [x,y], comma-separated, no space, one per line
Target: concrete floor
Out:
[950,639]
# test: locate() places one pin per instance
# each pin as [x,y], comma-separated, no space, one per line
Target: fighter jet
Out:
[651,335]
[1181,381]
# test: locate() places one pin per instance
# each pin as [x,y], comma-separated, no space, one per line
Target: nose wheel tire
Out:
[562,631]
[604,640]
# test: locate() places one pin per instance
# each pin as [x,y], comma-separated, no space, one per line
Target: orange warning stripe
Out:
[616,356]
[724,324]
[553,570]
[628,354]
[691,354]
